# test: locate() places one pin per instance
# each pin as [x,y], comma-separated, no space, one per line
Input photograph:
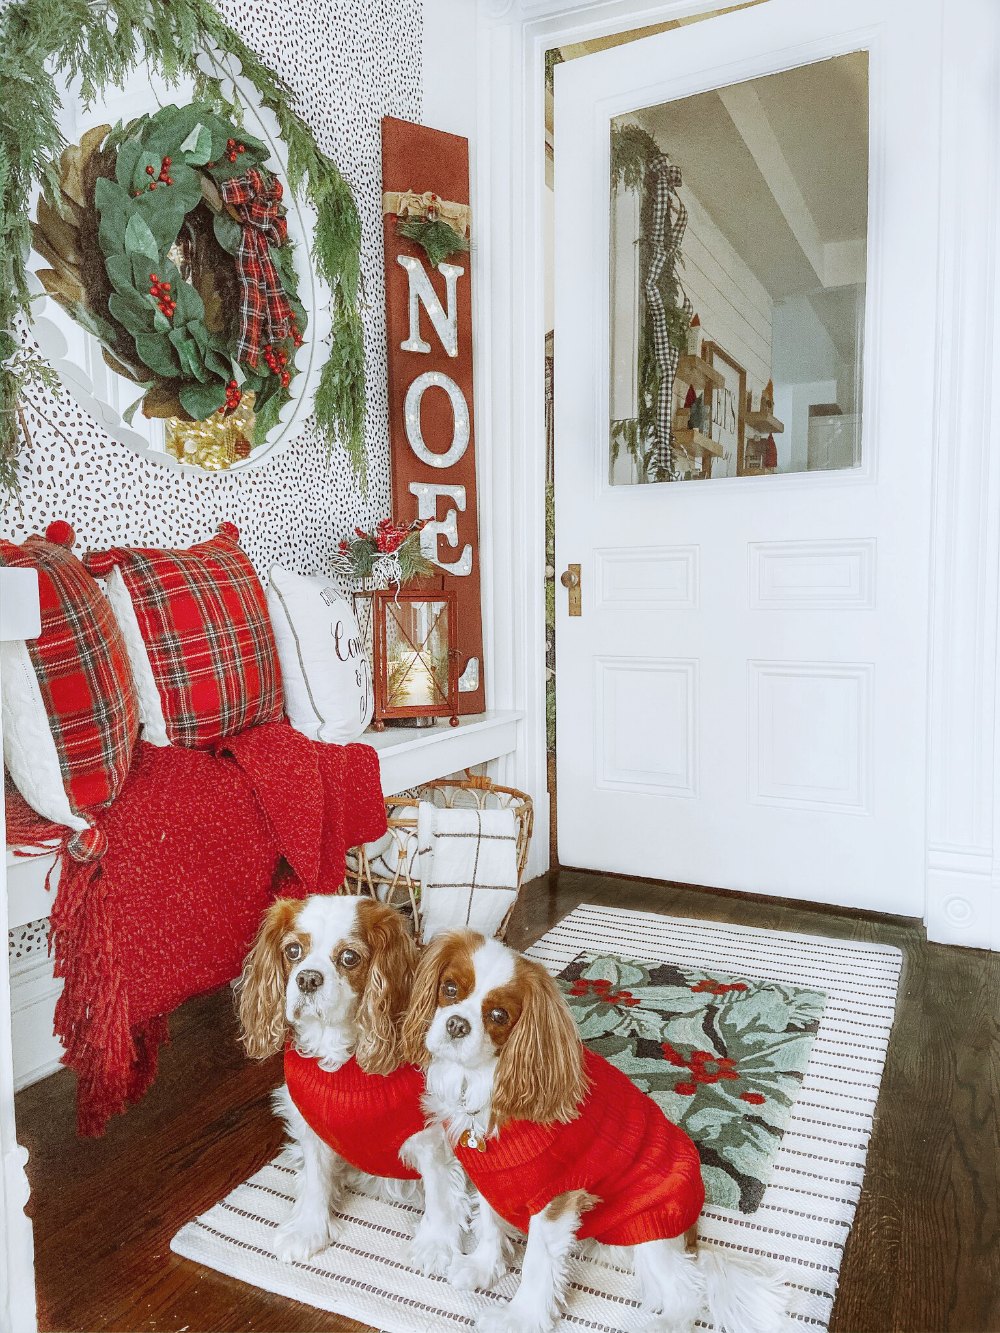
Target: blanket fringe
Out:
[91,1017]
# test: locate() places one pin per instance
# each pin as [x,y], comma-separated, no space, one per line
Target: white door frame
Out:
[963,739]
[19,619]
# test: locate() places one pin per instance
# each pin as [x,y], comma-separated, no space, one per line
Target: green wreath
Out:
[98,42]
[157,250]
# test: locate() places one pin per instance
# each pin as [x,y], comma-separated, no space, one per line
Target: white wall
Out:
[449,66]
[734,308]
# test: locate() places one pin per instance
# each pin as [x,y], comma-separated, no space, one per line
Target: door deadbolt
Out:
[570,580]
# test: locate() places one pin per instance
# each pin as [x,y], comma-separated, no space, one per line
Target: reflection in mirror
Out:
[737,278]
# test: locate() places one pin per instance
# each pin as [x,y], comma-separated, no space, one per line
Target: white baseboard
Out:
[33,994]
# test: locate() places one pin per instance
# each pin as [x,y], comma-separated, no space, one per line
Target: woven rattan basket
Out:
[392,875]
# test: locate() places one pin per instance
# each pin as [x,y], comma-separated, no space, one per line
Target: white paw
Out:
[662,1323]
[475,1272]
[509,1320]
[297,1240]
[432,1253]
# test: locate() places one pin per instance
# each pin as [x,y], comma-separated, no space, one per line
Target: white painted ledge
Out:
[410,756]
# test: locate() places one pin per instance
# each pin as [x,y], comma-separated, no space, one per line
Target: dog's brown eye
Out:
[349,958]
[449,990]
[293,952]
[499,1017]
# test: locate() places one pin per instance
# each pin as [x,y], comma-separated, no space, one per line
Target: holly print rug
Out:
[723,1056]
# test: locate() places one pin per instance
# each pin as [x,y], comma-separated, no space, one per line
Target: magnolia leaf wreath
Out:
[181,343]
[171,248]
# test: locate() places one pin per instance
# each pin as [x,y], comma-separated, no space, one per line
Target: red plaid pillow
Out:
[200,639]
[71,717]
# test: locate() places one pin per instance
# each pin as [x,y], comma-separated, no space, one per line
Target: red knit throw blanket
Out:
[197,846]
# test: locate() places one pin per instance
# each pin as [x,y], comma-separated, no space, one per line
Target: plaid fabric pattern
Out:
[204,623]
[83,674]
[265,314]
[669,225]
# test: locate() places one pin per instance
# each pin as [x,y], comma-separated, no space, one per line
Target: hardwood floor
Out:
[923,1255]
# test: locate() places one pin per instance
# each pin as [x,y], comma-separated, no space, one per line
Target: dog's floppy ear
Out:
[392,960]
[540,1074]
[424,997]
[260,991]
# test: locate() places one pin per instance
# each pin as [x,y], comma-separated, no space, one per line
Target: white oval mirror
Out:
[191,323]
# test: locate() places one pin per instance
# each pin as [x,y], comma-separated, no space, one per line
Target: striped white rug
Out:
[807,1210]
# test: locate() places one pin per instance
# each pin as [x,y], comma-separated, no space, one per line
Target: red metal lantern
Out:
[411,637]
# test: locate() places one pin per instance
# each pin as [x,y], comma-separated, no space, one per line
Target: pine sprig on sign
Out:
[437,239]
[100,42]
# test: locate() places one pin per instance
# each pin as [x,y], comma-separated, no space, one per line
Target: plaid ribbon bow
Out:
[265,314]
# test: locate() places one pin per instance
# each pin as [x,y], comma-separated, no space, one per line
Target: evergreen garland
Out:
[99,42]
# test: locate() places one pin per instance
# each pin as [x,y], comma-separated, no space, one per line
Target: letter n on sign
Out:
[428,317]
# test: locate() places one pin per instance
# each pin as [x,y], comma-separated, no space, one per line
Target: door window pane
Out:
[739,222]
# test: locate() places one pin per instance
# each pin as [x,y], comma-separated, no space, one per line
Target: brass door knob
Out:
[570,579]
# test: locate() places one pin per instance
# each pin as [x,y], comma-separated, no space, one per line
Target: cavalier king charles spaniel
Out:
[561,1145]
[328,981]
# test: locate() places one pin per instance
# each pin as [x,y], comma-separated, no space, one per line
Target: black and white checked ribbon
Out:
[669,225]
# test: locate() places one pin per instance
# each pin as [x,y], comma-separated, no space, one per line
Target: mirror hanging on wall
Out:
[738,239]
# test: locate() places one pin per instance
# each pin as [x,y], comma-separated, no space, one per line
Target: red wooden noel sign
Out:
[425,173]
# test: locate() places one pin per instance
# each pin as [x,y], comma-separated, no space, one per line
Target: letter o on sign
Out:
[411,413]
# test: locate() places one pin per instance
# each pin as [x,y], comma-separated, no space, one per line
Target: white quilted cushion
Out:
[327,680]
[29,749]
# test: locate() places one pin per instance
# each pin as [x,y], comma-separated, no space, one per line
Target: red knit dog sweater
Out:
[365,1118]
[621,1147]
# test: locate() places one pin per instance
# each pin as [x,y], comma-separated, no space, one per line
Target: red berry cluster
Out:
[233,148]
[277,360]
[160,292]
[164,178]
[389,536]
[602,990]
[296,336]
[705,1067]
[717,987]
[233,397]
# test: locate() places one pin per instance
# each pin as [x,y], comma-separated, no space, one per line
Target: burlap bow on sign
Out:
[410,204]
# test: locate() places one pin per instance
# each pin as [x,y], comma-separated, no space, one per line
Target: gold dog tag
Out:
[469,1140]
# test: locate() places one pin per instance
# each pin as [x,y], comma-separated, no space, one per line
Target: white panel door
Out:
[742,701]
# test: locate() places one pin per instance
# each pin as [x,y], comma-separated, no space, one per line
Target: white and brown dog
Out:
[328,981]
[561,1145]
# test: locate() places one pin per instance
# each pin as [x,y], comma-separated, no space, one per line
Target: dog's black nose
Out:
[457,1027]
[309,980]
